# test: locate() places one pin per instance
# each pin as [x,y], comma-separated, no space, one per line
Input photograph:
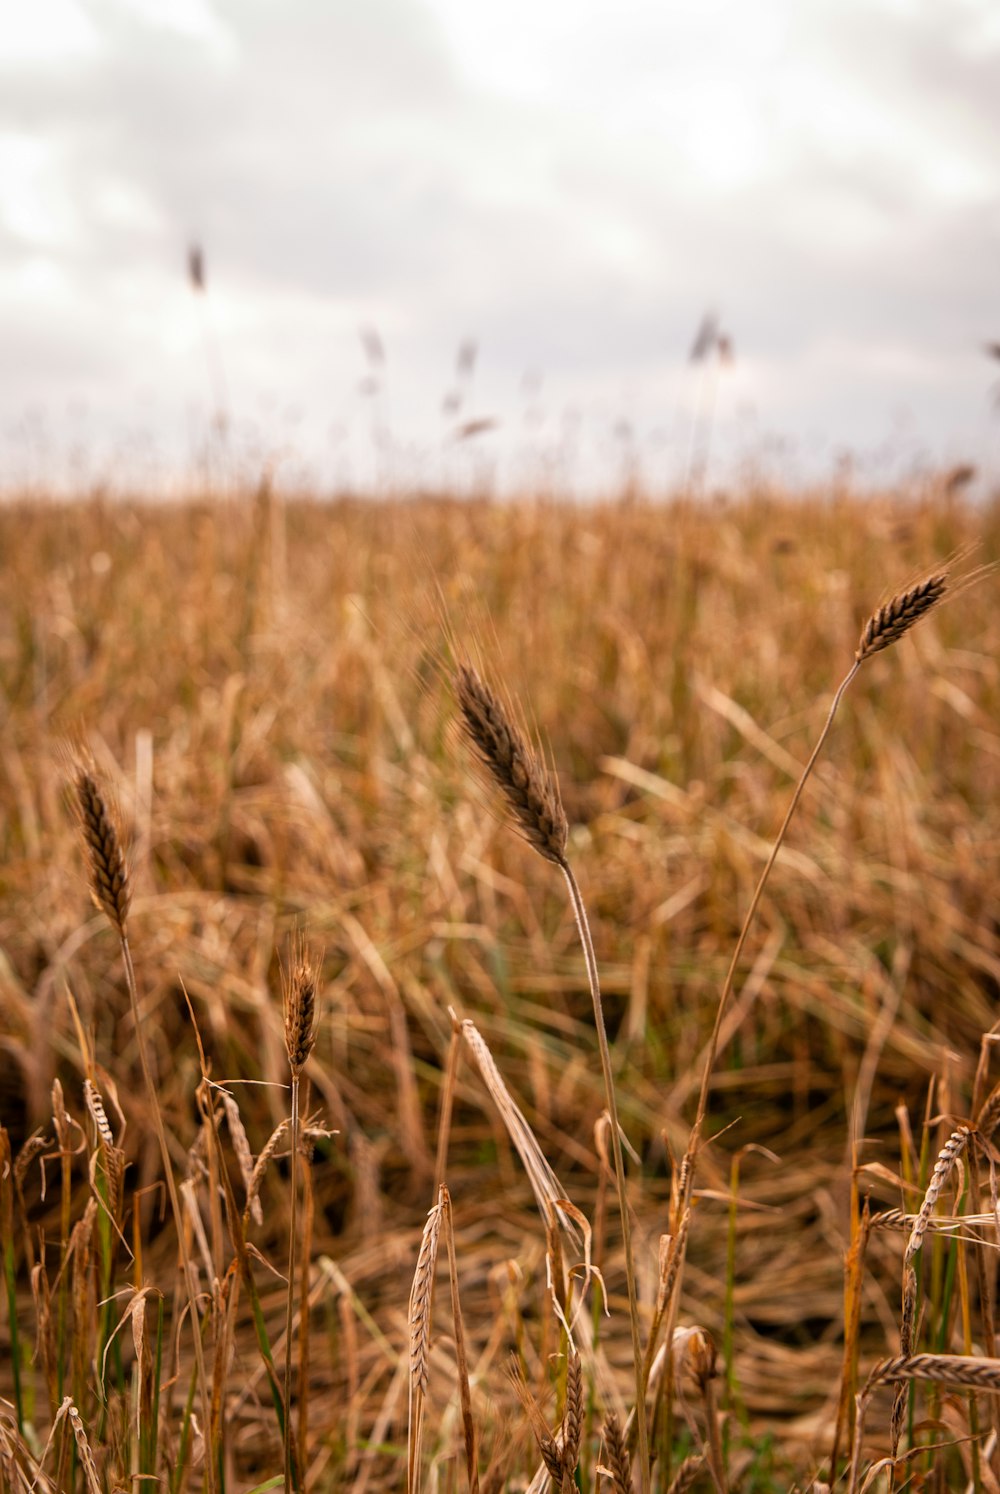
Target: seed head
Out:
[572,1427]
[299,985]
[547,1445]
[110,885]
[897,617]
[525,783]
[616,1453]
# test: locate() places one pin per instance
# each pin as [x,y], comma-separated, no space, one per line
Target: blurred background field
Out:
[263,682]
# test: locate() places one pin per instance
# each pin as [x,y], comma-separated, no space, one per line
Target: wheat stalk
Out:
[886,625]
[110,888]
[299,1004]
[533,798]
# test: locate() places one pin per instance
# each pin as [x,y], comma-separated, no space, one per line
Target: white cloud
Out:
[49,32]
[188,18]
[573,184]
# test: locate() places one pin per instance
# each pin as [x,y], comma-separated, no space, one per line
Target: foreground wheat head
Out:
[888,624]
[503,750]
[110,884]
[300,1007]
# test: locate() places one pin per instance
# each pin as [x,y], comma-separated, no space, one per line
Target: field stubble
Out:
[264,688]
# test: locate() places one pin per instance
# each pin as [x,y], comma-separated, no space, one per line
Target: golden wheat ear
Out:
[529,789]
[888,624]
[616,1455]
[299,1007]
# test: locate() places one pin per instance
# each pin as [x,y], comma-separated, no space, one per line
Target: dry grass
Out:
[282,760]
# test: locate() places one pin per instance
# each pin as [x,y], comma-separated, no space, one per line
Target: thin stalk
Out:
[447,1100]
[967,1349]
[461,1358]
[290,1295]
[153,1431]
[237,1234]
[729,1311]
[713,1440]
[65,1204]
[175,1204]
[583,926]
[10,1271]
[305,1253]
[178,1473]
[727,988]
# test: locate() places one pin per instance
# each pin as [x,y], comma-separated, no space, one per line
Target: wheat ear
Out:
[527,787]
[616,1454]
[110,884]
[461,1356]
[947,1158]
[888,624]
[421,1298]
[956,1370]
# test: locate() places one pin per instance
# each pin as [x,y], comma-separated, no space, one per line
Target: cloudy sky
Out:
[567,185]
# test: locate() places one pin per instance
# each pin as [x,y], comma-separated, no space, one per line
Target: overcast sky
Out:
[571,184]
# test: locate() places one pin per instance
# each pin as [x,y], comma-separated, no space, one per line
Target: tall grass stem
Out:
[583,926]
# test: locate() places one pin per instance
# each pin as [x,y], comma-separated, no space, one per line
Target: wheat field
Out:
[338,934]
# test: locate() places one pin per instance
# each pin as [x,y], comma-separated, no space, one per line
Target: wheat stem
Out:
[727,988]
[175,1205]
[290,1294]
[583,926]
[299,989]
